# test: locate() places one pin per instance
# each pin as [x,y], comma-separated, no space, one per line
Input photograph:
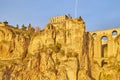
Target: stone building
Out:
[58,19]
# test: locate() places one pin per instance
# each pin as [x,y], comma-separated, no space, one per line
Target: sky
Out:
[97,14]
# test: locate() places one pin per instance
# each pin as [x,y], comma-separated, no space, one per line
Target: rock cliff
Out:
[61,51]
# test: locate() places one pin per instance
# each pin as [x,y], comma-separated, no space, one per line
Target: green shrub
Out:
[56,48]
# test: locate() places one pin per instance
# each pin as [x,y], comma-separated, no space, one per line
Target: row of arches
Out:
[103,42]
[114,33]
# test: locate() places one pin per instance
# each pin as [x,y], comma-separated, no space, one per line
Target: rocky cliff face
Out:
[62,51]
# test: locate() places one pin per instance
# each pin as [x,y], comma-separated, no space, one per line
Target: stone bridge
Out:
[104,44]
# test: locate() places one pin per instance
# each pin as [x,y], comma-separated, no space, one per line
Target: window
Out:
[104,38]
[104,46]
[94,35]
[114,33]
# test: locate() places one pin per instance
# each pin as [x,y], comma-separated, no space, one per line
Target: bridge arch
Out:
[104,46]
[114,33]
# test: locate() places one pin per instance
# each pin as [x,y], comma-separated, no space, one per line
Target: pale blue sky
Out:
[98,14]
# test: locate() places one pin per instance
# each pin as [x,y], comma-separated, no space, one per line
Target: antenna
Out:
[76,5]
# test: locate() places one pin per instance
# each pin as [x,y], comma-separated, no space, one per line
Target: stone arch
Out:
[117,42]
[94,34]
[114,33]
[104,38]
[104,46]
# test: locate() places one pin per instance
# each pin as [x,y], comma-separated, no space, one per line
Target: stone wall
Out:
[58,19]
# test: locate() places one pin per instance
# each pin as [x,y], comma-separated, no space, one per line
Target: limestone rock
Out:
[64,50]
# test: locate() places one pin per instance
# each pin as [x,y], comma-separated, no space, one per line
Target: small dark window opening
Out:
[114,33]
[94,34]
[104,38]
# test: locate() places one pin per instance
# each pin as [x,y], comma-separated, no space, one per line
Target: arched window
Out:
[94,35]
[104,38]
[114,33]
[104,46]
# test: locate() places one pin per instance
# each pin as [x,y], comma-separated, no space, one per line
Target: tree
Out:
[17,26]
[30,28]
[24,27]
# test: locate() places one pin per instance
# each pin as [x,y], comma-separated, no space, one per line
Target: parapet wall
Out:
[58,19]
